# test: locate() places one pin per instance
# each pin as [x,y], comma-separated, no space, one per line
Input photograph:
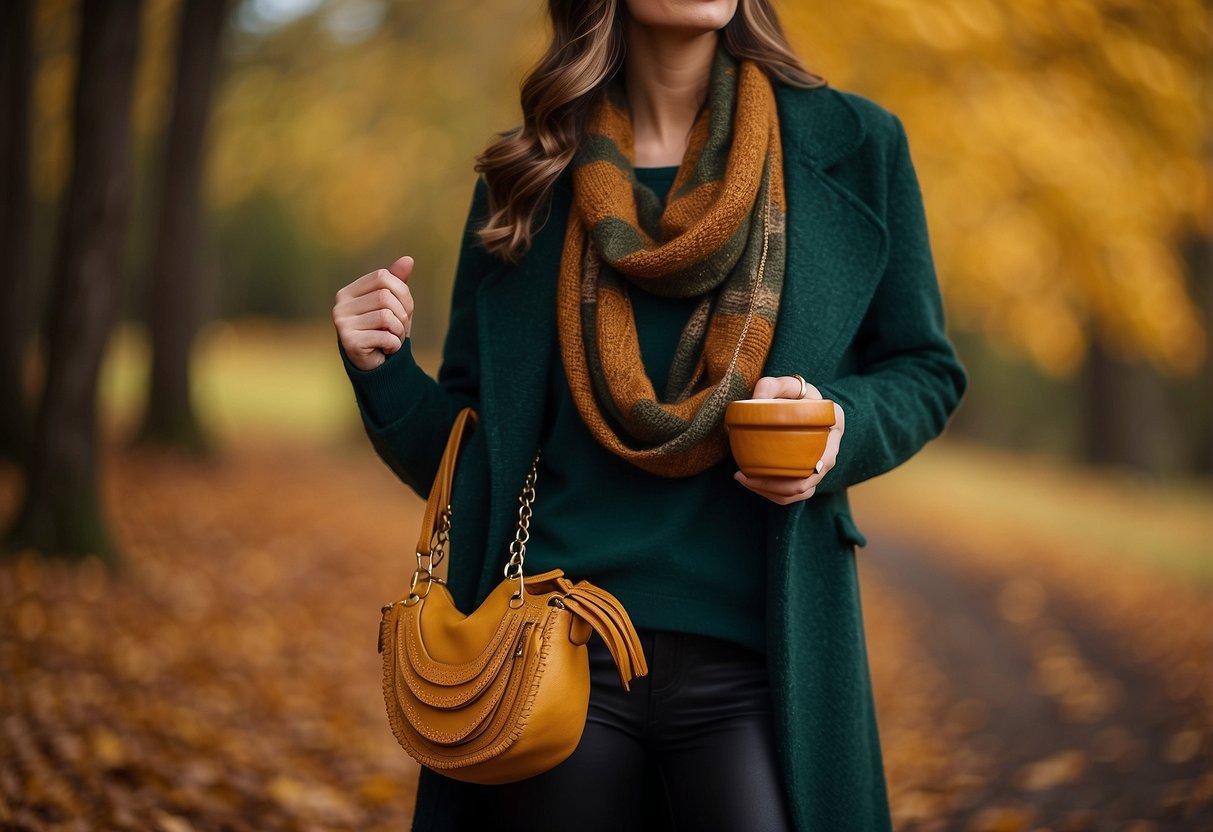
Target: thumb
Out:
[402,268]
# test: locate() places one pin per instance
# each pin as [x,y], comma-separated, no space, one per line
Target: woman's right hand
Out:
[374,314]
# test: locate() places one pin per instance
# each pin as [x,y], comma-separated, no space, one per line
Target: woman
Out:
[686,217]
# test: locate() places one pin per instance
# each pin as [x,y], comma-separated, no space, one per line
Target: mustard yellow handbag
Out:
[501,694]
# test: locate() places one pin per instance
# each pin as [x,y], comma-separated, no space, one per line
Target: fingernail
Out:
[817,467]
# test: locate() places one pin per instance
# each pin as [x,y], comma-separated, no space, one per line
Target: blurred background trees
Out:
[61,510]
[174,274]
[284,147]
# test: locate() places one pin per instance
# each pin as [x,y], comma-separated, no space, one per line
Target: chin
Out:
[689,15]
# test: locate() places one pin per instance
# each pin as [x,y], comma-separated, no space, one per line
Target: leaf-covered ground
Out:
[229,680]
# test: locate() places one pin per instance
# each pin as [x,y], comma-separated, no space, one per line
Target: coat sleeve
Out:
[408,414]
[909,379]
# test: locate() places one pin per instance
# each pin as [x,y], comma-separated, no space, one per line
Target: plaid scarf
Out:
[720,238]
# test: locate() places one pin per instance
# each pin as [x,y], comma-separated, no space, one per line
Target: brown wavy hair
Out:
[586,51]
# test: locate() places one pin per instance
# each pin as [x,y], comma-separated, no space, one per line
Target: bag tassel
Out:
[603,612]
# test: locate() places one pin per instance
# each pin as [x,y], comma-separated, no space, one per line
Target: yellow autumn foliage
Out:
[1061,144]
[1061,147]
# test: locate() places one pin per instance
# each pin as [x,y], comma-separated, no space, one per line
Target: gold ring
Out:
[804,385]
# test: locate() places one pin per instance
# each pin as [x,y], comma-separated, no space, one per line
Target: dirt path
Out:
[1084,732]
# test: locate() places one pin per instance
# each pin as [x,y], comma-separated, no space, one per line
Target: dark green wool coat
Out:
[860,317]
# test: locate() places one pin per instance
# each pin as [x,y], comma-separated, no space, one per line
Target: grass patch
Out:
[261,380]
[252,379]
[1164,523]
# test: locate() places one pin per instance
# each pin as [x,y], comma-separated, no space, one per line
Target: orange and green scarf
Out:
[720,237]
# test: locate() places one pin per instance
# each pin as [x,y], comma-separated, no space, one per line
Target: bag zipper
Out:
[521,645]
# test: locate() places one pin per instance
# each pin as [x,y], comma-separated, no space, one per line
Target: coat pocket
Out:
[848,531]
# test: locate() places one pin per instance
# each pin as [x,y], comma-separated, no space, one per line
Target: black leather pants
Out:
[693,740]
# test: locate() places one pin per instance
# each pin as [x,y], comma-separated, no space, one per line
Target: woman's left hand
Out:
[784,490]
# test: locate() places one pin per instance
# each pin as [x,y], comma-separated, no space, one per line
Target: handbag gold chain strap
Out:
[426,563]
[513,568]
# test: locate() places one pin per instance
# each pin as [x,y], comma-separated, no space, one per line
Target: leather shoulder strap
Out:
[440,491]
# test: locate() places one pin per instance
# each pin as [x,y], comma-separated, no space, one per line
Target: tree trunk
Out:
[1204,273]
[1197,392]
[1128,415]
[1100,397]
[175,315]
[16,213]
[61,512]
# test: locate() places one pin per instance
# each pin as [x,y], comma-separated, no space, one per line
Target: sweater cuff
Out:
[384,394]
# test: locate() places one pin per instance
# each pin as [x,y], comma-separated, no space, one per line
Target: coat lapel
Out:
[836,251]
[837,246]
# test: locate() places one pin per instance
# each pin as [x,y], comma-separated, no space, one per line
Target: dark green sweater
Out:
[681,554]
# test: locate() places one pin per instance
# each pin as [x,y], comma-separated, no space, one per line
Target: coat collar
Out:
[817,125]
[836,251]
